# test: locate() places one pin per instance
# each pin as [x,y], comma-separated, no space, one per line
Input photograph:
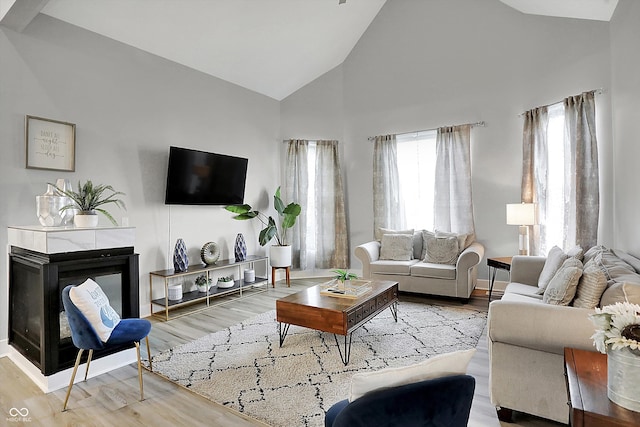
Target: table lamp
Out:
[522,214]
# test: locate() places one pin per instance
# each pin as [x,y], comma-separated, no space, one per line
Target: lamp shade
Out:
[522,214]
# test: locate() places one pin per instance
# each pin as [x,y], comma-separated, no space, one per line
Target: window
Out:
[416,170]
[555,221]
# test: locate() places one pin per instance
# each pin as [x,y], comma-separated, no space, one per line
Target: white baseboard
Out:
[4,348]
[61,379]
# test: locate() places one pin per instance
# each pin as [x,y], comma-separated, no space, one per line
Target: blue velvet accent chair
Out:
[84,337]
[439,402]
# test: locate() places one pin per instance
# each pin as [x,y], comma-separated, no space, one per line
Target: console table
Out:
[586,375]
[188,298]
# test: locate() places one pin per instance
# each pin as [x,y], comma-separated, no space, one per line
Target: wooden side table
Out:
[495,264]
[586,375]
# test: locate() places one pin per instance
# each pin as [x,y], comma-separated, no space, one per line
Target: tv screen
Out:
[200,178]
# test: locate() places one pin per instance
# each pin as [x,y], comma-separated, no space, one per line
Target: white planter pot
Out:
[280,256]
[85,220]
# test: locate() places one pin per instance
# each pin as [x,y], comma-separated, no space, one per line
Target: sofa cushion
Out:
[382,231]
[417,244]
[531,299]
[462,238]
[523,289]
[591,285]
[621,292]
[562,287]
[435,271]
[592,252]
[615,269]
[401,268]
[396,247]
[629,259]
[438,366]
[425,235]
[554,260]
[442,250]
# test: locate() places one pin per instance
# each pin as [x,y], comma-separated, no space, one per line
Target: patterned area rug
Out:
[244,368]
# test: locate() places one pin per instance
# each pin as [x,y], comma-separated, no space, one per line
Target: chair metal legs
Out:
[73,377]
[86,372]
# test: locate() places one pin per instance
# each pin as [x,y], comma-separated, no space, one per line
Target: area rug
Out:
[243,367]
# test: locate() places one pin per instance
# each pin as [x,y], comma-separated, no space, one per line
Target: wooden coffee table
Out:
[336,315]
[586,373]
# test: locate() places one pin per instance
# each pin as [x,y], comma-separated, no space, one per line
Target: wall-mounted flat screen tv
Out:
[200,178]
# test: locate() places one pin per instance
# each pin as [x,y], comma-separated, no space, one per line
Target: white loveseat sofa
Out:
[415,275]
[527,337]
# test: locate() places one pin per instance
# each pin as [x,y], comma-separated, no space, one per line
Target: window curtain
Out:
[388,210]
[581,187]
[331,222]
[535,172]
[584,201]
[453,202]
[295,189]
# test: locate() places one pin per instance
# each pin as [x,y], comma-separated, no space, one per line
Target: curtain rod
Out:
[473,125]
[599,91]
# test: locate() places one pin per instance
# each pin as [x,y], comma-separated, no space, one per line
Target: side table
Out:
[494,264]
[586,376]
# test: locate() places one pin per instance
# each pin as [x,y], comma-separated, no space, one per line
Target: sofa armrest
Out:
[526,269]
[470,257]
[539,326]
[368,253]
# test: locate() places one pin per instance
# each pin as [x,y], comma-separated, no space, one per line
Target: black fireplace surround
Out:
[37,323]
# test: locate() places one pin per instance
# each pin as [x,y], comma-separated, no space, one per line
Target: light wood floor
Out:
[112,399]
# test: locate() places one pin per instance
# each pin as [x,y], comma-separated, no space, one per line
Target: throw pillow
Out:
[562,287]
[382,231]
[462,238]
[576,252]
[425,234]
[94,305]
[417,244]
[438,366]
[614,268]
[591,285]
[629,259]
[591,252]
[397,247]
[442,250]
[621,292]
[554,260]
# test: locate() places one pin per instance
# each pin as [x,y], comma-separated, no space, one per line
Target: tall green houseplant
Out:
[287,218]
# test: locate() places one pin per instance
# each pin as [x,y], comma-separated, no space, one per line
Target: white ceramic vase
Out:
[280,256]
[83,220]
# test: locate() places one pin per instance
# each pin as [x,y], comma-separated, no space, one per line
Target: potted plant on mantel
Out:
[87,200]
[280,253]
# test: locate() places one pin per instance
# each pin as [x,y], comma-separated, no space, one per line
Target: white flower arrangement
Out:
[617,326]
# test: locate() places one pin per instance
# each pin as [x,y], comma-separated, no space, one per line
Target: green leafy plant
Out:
[202,280]
[287,214]
[225,278]
[88,199]
[344,275]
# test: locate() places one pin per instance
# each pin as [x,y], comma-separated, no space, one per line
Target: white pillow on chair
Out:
[94,304]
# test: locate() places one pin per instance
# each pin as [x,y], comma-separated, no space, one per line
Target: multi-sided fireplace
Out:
[38,328]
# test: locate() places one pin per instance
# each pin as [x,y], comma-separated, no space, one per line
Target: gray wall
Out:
[421,65]
[129,107]
[625,66]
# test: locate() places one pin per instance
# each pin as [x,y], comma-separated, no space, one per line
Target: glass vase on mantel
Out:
[623,377]
[49,205]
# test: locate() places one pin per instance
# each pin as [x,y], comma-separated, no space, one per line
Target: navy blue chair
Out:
[440,402]
[84,337]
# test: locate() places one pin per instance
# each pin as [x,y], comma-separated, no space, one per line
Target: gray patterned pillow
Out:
[562,287]
[554,260]
[590,286]
[425,234]
[397,247]
[442,250]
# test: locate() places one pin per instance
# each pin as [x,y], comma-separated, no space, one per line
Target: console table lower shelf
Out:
[240,287]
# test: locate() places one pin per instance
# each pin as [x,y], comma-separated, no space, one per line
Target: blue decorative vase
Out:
[240,248]
[180,260]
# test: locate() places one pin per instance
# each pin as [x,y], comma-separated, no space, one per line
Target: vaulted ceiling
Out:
[273,47]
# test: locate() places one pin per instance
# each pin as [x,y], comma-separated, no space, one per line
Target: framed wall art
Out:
[51,144]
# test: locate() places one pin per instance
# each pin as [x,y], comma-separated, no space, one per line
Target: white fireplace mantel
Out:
[52,240]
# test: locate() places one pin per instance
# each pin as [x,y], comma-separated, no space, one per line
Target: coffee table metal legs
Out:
[283,330]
